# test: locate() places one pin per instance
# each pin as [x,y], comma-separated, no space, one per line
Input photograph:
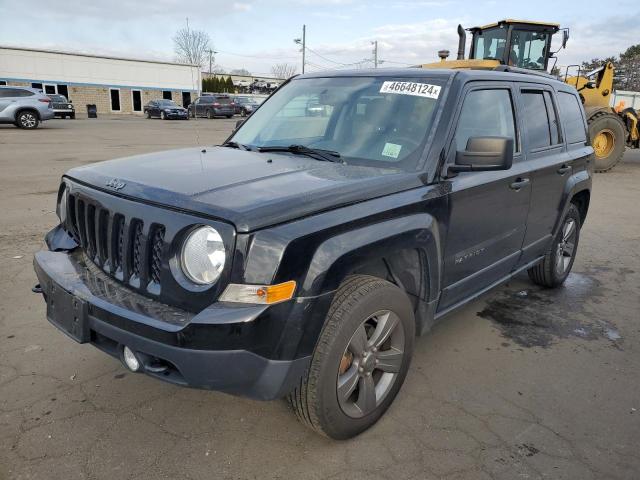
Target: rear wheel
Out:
[209,114]
[556,265]
[28,120]
[229,116]
[608,138]
[148,114]
[360,361]
[163,115]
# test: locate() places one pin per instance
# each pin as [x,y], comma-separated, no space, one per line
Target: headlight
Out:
[62,206]
[203,256]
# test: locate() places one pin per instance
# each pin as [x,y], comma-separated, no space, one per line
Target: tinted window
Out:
[14,92]
[536,120]
[223,100]
[572,117]
[206,100]
[491,43]
[553,119]
[528,49]
[486,113]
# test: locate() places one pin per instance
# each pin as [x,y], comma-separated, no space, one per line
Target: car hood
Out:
[252,190]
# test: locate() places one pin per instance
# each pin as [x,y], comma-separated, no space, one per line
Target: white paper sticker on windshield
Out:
[391,150]
[411,88]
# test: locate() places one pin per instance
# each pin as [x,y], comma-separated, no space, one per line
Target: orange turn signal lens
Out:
[261,294]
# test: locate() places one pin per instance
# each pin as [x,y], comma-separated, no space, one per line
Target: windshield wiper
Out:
[237,145]
[317,153]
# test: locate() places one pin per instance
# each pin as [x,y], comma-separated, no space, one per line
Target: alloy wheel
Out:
[566,246]
[370,364]
[28,120]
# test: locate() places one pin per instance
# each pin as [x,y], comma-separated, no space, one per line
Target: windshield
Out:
[529,49]
[375,121]
[167,103]
[58,98]
[490,44]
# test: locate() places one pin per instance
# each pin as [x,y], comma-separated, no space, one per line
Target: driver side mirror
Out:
[565,37]
[484,154]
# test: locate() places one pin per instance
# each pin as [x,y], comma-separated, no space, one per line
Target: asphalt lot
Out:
[522,383]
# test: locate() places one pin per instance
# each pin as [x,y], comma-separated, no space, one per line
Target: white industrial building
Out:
[113,84]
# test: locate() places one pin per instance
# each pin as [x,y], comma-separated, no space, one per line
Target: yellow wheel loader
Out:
[518,45]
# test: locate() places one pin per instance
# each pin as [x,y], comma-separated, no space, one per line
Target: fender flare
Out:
[339,255]
[578,182]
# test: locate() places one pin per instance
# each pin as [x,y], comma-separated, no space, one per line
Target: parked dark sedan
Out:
[166,110]
[62,107]
[212,106]
[245,105]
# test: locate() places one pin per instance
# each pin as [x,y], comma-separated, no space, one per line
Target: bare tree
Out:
[284,70]
[241,71]
[192,46]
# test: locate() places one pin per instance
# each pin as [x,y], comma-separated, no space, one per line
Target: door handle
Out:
[519,183]
[563,169]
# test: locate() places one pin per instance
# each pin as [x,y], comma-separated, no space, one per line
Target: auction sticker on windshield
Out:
[411,88]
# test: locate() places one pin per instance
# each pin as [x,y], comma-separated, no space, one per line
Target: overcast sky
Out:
[255,34]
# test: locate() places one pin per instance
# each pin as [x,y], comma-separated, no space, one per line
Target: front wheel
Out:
[163,116]
[148,114]
[209,114]
[554,269]
[28,120]
[360,361]
[243,113]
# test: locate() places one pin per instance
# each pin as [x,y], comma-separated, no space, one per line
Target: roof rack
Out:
[510,69]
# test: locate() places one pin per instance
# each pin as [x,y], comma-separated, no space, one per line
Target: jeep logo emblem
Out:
[115,184]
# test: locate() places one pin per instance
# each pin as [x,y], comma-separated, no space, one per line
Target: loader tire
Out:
[608,136]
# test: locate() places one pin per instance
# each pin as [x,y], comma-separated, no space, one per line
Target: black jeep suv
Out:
[302,257]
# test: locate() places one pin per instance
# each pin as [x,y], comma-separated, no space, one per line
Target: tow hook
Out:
[36,288]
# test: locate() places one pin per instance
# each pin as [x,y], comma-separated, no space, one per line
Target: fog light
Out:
[130,359]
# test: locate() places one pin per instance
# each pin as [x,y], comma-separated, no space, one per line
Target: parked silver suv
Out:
[24,107]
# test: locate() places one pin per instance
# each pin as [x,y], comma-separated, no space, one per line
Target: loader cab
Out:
[515,43]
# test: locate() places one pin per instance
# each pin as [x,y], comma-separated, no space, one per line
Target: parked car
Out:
[301,258]
[24,107]
[166,110]
[62,107]
[245,105]
[211,106]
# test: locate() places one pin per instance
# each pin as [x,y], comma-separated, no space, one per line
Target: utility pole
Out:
[302,42]
[375,53]
[211,58]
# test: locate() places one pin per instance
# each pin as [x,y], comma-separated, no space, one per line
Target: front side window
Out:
[486,113]
[377,121]
[572,118]
[490,44]
[167,103]
[528,49]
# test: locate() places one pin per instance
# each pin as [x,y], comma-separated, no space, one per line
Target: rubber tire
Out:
[163,115]
[600,121]
[210,114]
[192,114]
[148,114]
[72,116]
[243,113]
[229,116]
[19,122]
[544,273]
[314,400]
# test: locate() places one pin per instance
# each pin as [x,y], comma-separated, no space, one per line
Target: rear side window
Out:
[572,118]
[536,120]
[14,92]
[223,100]
[206,100]
[554,124]
[486,113]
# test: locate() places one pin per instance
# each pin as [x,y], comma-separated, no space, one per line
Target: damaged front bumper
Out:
[213,349]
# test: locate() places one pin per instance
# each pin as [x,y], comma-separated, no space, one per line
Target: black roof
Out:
[502,73]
